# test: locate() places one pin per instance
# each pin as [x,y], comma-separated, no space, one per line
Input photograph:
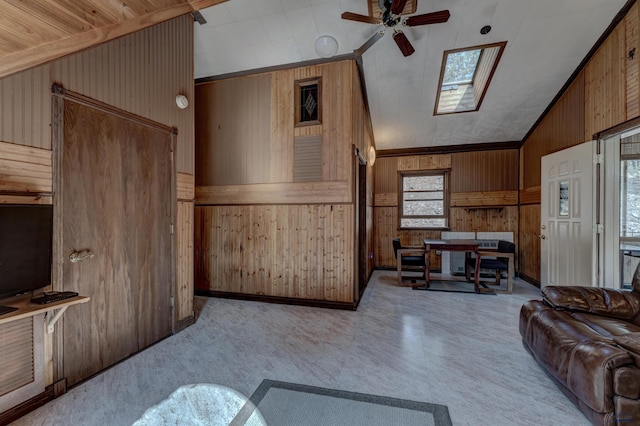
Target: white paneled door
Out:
[567,217]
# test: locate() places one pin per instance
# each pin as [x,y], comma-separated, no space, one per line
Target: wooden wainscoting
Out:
[185,190]
[184,314]
[529,250]
[289,251]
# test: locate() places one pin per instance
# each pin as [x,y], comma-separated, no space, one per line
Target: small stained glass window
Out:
[308,102]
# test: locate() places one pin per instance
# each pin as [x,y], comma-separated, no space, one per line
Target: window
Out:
[424,200]
[630,191]
[465,77]
[308,102]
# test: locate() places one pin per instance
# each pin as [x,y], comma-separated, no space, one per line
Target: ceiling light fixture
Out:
[485,30]
[326,46]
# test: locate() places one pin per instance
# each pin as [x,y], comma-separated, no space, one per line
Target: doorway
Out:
[113,203]
[567,217]
[621,207]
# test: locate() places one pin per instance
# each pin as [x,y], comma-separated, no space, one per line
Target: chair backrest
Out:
[506,247]
[396,246]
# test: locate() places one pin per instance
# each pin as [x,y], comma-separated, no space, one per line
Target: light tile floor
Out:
[460,350]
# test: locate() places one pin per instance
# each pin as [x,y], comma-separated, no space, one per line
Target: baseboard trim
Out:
[528,279]
[184,323]
[276,299]
[29,405]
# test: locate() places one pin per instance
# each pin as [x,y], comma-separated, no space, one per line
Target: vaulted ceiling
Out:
[546,41]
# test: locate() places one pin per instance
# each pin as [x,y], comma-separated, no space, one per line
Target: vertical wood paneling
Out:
[605,86]
[140,73]
[386,175]
[563,127]
[245,249]
[246,128]
[529,250]
[185,187]
[233,131]
[632,35]
[485,220]
[282,126]
[484,171]
[185,274]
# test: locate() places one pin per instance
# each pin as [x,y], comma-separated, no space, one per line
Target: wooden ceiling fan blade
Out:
[360,18]
[428,18]
[398,6]
[367,44]
[403,43]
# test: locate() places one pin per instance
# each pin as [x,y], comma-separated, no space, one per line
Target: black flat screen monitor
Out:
[25,247]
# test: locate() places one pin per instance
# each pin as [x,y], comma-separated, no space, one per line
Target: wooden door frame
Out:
[59,95]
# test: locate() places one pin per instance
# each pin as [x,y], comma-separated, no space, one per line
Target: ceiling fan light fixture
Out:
[326,46]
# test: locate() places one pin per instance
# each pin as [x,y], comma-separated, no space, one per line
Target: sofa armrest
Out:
[620,304]
[630,342]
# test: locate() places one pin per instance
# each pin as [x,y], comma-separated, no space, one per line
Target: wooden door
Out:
[567,216]
[116,205]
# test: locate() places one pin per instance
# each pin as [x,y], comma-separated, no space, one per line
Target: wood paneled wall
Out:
[605,85]
[25,169]
[484,197]
[141,73]
[301,252]
[606,93]
[246,127]
[562,127]
[257,231]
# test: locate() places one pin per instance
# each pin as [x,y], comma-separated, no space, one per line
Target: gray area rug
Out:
[282,403]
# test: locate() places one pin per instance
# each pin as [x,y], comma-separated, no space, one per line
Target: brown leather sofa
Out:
[588,341]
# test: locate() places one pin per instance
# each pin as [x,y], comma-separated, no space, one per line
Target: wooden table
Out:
[468,246]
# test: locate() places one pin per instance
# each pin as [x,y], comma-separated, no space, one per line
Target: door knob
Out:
[79,256]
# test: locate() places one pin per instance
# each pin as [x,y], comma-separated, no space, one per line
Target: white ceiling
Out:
[547,40]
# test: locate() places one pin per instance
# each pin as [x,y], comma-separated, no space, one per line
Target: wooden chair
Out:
[408,259]
[499,264]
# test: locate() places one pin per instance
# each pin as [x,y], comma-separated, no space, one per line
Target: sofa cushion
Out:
[552,336]
[613,303]
[606,326]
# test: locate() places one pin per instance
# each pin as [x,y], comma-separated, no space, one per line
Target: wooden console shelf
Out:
[27,309]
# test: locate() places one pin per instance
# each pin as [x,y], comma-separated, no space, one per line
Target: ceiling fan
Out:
[391,17]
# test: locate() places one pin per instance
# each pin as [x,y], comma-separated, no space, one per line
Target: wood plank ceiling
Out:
[37,31]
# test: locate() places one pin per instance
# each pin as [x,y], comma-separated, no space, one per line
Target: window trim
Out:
[299,84]
[494,66]
[446,194]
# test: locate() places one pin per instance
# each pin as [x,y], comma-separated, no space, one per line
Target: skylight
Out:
[465,77]
[461,67]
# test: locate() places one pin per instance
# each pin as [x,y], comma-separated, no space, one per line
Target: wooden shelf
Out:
[470,209]
[27,309]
